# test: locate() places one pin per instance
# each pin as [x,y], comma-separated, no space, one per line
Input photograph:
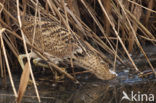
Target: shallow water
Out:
[91,90]
[95,91]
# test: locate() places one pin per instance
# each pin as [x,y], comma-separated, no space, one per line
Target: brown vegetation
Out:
[113,27]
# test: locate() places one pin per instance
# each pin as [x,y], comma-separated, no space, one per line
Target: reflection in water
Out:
[128,87]
[88,92]
[107,93]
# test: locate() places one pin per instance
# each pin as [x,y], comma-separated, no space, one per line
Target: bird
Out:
[59,44]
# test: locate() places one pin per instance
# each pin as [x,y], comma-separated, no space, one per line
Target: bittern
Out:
[60,44]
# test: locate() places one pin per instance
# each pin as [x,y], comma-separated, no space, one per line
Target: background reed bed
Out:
[115,29]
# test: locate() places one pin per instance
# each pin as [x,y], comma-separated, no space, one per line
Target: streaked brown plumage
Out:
[51,38]
[96,65]
[60,44]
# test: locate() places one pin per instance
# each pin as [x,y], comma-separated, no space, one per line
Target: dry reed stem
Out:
[118,36]
[53,7]
[107,5]
[150,6]
[7,63]
[152,40]
[26,50]
[97,22]
[11,45]
[69,30]
[11,16]
[34,32]
[142,27]
[115,56]
[1,64]
[73,6]
[77,19]
[142,6]
[136,39]
[24,7]
[1,8]
[23,82]
[137,12]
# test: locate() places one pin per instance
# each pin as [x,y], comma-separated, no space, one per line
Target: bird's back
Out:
[50,37]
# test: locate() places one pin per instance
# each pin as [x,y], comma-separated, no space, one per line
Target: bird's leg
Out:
[22,56]
[58,76]
[37,61]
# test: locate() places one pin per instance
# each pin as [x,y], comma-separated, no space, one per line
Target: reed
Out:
[114,29]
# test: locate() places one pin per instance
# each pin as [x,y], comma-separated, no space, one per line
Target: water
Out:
[91,90]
